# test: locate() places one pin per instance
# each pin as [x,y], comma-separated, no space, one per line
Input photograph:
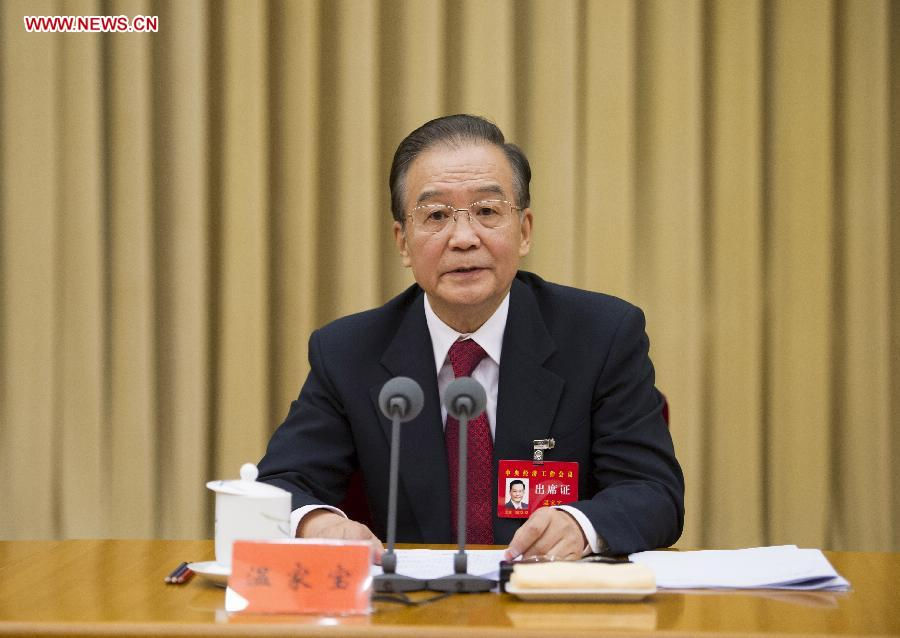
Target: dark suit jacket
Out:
[509,505]
[574,367]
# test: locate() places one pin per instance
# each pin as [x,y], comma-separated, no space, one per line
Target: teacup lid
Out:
[247,485]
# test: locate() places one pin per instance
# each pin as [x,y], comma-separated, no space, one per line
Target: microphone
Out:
[401,396]
[401,399]
[464,399]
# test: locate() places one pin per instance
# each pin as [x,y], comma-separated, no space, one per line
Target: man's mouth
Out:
[465,269]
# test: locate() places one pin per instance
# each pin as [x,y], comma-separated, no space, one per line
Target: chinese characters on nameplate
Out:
[297,576]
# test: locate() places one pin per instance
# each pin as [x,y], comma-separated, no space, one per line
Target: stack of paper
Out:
[781,567]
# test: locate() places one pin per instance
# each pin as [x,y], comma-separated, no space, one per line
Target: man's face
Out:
[516,492]
[465,269]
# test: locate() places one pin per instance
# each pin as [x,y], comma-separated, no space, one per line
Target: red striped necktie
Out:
[464,357]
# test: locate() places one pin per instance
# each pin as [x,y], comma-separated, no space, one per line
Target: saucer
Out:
[212,571]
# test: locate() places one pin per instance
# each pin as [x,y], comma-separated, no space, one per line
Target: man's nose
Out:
[462,231]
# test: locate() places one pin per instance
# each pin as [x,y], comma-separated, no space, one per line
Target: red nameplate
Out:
[523,486]
[302,577]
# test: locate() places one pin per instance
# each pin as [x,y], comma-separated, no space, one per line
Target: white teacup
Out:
[248,510]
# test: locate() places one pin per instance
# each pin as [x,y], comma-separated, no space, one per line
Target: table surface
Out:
[115,587]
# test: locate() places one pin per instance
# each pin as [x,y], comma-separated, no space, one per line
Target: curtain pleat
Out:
[549,122]
[241,227]
[669,214]
[799,241]
[732,378]
[354,188]
[81,322]
[183,235]
[481,62]
[893,347]
[862,481]
[294,154]
[606,157]
[29,222]
[131,373]
[181,209]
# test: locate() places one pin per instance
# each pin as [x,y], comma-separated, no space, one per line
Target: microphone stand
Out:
[461,581]
[390,581]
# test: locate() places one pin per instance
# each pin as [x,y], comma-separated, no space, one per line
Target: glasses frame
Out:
[456,211]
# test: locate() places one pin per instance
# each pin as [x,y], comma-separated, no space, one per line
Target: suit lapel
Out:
[528,393]
[423,458]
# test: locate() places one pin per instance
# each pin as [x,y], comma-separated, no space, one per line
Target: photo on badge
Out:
[517,497]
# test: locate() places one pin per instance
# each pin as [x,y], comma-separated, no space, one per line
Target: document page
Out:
[780,567]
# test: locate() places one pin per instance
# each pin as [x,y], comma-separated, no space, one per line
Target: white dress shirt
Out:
[490,337]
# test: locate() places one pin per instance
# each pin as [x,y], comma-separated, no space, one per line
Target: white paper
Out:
[428,564]
[779,567]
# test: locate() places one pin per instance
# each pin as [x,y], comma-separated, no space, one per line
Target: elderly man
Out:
[556,362]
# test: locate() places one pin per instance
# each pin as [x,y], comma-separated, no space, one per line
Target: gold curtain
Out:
[178,210]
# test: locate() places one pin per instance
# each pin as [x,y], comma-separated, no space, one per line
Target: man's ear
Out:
[400,240]
[525,227]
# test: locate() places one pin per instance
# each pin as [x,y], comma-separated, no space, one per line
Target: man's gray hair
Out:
[455,130]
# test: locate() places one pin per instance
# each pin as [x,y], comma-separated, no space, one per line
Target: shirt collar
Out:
[489,336]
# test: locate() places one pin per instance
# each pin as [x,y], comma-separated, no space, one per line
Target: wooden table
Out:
[115,587]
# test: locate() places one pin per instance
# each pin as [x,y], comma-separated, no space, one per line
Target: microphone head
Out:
[401,397]
[464,397]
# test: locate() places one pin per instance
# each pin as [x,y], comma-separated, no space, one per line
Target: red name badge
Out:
[301,577]
[523,486]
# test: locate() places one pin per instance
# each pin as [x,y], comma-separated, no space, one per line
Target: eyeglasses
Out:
[488,213]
